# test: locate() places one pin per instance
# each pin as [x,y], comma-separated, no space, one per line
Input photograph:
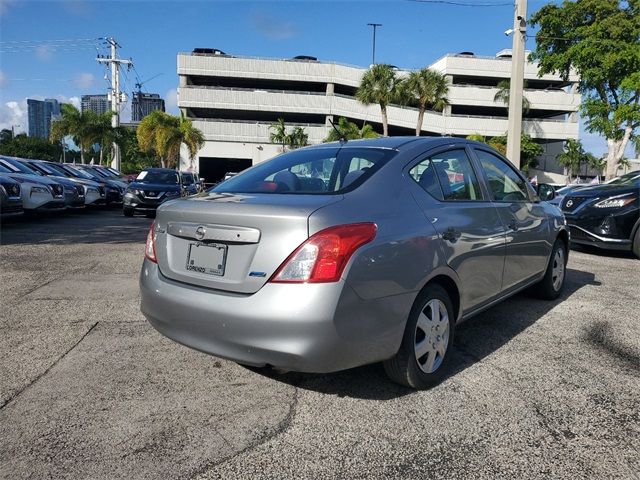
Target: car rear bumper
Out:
[302,327]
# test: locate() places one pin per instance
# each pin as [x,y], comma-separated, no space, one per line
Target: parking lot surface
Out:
[89,390]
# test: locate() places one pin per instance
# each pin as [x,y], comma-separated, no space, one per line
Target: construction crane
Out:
[138,92]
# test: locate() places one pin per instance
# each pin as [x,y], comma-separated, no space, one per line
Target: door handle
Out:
[513,225]
[451,235]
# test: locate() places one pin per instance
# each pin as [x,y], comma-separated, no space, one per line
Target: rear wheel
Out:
[550,287]
[424,353]
[636,243]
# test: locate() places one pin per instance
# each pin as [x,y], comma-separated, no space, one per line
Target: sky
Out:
[48,48]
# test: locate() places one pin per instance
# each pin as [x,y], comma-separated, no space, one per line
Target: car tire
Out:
[550,287]
[429,332]
[128,212]
[636,243]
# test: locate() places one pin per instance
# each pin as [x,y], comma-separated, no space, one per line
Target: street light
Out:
[375,26]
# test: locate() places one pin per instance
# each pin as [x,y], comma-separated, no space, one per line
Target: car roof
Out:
[156,169]
[397,143]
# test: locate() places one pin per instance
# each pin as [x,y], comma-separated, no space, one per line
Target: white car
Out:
[37,193]
[93,193]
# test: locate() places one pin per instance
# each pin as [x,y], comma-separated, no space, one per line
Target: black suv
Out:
[606,216]
[152,187]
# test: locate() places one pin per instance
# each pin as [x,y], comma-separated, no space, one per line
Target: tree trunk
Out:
[81,153]
[616,152]
[101,153]
[385,126]
[163,162]
[420,120]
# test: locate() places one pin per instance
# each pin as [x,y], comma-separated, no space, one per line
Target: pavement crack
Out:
[38,377]
[282,427]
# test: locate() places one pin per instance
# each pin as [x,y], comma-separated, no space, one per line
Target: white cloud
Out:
[171,101]
[45,52]
[273,27]
[14,114]
[83,80]
[5,5]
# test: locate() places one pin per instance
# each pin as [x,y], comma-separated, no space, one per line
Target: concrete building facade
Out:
[98,103]
[40,114]
[234,100]
[142,104]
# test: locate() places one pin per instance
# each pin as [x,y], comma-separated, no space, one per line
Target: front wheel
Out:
[550,287]
[636,243]
[426,346]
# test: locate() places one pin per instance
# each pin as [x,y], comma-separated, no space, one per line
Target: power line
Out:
[69,40]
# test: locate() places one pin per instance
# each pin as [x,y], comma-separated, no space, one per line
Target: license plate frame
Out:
[197,258]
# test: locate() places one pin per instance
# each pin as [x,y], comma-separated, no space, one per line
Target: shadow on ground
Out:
[104,225]
[475,339]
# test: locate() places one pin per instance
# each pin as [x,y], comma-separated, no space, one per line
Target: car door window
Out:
[504,183]
[452,172]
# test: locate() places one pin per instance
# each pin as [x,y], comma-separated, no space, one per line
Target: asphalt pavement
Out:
[89,390]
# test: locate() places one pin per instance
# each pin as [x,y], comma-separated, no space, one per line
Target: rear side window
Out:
[448,176]
[315,171]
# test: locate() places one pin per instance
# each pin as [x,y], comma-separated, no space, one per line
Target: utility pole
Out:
[116,95]
[375,26]
[514,125]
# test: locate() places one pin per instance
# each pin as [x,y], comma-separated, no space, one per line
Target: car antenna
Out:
[341,136]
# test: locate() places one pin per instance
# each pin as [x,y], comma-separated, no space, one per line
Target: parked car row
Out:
[29,185]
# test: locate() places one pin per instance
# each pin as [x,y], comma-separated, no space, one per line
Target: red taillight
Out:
[150,247]
[323,256]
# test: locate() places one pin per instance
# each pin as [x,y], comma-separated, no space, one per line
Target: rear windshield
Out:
[315,171]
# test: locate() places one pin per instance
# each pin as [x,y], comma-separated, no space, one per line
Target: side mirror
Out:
[545,192]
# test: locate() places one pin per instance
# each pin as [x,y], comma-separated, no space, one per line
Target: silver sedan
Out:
[343,254]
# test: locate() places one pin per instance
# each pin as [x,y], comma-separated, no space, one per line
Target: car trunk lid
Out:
[232,242]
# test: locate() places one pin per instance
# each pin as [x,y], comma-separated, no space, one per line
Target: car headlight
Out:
[616,202]
[39,190]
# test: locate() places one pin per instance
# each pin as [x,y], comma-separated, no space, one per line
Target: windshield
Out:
[95,171]
[624,179]
[18,167]
[4,169]
[158,176]
[315,171]
[76,172]
[45,169]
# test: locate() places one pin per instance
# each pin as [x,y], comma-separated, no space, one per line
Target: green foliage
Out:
[296,139]
[426,89]
[162,134]
[504,94]
[600,40]
[573,157]
[350,131]
[81,126]
[380,85]
[133,159]
[476,137]
[529,150]
[29,147]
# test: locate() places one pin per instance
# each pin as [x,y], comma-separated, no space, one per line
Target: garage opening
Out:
[213,169]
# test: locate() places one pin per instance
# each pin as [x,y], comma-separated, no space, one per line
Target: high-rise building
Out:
[41,112]
[97,103]
[143,104]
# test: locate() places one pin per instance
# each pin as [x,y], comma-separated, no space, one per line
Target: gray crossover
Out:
[343,254]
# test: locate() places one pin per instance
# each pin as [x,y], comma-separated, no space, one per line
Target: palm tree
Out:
[163,134]
[105,134]
[504,92]
[350,131]
[426,89]
[572,158]
[379,85]
[279,133]
[297,138]
[79,125]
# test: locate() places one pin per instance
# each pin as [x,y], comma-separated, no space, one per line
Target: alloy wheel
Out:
[432,336]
